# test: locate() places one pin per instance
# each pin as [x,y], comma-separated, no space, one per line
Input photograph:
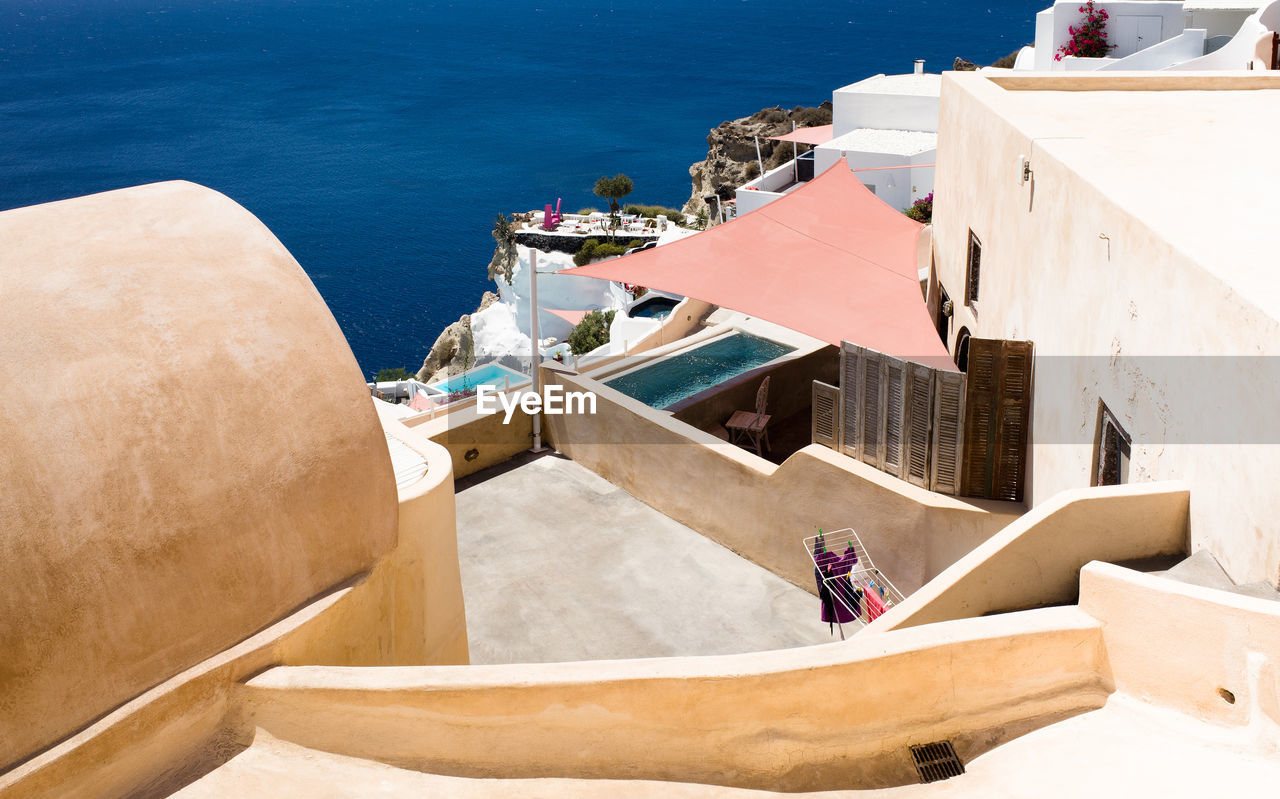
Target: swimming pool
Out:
[491,374]
[670,380]
[653,308]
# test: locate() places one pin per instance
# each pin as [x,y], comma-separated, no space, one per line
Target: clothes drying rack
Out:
[864,576]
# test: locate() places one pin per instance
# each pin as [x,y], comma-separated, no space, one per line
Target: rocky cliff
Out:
[455,346]
[731,151]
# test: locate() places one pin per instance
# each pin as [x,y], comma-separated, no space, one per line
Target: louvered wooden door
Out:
[825,428]
[996,412]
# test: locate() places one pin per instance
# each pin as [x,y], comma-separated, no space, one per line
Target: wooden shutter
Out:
[850,397]
[997,408]
[1013,413]
[826,415]
[893,373]
[871,411]
[948,432]
[918,423]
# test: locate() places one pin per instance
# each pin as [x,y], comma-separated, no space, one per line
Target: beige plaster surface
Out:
[761,510]
[1153,725]
[464,430]
[835,715]
[160,503]
[1036,560]
[1146,230]
[1124,749]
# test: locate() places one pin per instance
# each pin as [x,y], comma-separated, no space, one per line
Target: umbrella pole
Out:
[534,353]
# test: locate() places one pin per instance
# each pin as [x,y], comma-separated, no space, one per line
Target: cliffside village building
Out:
[1057,441]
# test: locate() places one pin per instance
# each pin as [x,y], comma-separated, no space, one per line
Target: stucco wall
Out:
[1036,560]
[853,109]
[824,717]
[464,431]
[160,503]
[1177,646]
[1081,261]
[762,511]
[407,610]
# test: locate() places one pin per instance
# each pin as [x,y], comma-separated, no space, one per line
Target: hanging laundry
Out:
[823,561]
[875,605]
[842,588]
[848,600]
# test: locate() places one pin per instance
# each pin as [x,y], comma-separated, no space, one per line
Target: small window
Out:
[1112,455]
[975,263]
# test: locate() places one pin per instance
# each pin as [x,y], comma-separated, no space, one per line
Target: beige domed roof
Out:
[187,448]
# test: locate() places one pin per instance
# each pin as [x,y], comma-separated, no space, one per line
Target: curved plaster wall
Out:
[161,501]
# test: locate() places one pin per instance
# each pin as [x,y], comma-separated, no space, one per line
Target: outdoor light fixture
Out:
[1024,169]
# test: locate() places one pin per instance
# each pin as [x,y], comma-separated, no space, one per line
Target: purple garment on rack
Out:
[842,589]
[823,561]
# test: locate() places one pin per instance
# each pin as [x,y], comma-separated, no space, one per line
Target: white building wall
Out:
[1098,307]
[853,109]
[1133,25]
[1185,46]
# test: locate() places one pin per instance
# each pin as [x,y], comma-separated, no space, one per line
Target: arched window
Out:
[962,349]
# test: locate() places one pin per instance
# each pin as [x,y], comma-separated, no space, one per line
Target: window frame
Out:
[1124,447]
[972,270]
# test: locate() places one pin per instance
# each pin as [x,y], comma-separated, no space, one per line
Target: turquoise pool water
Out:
[491,374]
[668,381]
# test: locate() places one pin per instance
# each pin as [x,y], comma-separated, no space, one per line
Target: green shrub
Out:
[594,250]
[587,210]
[591,332]
[653,211]
[388,375]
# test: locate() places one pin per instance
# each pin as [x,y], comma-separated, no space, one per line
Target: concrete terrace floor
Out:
[558,564]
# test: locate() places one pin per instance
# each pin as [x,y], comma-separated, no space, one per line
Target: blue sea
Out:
[378,139]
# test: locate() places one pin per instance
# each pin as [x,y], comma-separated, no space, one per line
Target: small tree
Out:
[613,189]
[591,332]
[388,375]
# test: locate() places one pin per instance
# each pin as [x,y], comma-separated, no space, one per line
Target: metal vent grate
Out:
[936,761]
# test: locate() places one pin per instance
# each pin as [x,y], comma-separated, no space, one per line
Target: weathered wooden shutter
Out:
[948,432]
[1013,413]
[871,435]
[919,421]
[893,372]
[850,397]
[997,405]
[826,415]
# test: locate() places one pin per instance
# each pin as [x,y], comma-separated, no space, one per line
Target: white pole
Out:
[795,154]
[533,334]
[759,160]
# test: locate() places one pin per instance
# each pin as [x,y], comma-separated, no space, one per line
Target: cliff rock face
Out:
[731,151]
[454,346]
[504,253]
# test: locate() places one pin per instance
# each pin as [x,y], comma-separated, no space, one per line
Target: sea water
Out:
[379,138]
